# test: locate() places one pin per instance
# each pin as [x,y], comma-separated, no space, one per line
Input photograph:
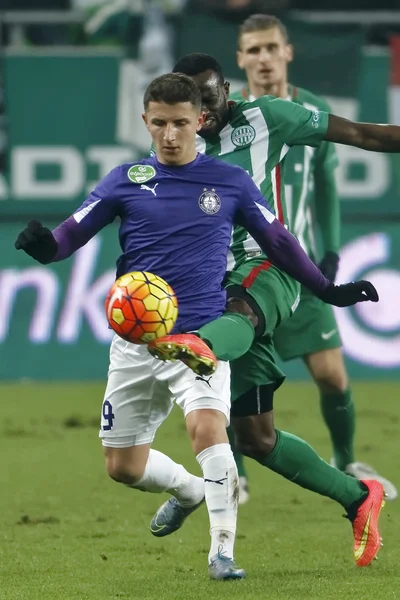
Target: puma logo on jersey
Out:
[149,189]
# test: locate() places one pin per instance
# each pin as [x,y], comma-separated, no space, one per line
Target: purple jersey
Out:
[176,222]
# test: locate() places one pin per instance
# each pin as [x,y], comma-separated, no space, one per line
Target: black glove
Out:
[329,265]
[349,293]
[37,241]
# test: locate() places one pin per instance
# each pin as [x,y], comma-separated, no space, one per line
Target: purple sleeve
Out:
[97,211]
[69,237]
[276,241]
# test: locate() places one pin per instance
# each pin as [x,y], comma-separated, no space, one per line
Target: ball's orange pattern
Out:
[141,306]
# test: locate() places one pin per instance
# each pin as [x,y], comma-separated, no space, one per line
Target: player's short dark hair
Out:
[261,22]
[193,64]
[172,88]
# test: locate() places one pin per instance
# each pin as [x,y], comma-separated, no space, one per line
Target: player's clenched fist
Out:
[37,241]
[350,293]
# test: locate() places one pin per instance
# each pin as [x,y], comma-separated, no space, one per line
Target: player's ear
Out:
[239,59]
[144,117]
[289,53]
[227,87]
[200,120]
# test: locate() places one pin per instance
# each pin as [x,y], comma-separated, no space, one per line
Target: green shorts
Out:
[256,367]
[275,292]
[276,295]
[311,329]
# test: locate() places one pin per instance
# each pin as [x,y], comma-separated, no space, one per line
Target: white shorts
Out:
[141,391]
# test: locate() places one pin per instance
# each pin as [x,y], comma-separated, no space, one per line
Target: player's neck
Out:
[279,90]
[186,160]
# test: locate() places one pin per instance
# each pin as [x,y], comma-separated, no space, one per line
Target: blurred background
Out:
[72,76]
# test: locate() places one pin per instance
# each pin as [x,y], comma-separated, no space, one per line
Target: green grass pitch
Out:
[67,532]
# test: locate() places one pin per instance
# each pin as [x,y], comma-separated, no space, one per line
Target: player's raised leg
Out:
[225,338]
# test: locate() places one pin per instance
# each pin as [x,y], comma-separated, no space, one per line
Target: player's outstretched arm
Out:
[285,252]
[369,136]
[47,246]
[300,126]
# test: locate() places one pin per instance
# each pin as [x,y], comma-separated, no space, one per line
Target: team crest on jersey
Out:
[141,173]
[243,136]
[209,202]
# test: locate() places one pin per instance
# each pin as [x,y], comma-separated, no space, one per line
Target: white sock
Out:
[222,492]
[162,474]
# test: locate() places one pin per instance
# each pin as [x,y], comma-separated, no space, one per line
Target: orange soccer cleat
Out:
[188,348]
[367,540]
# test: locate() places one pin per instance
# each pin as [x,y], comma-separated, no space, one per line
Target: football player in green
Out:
[313,208]
[256,136]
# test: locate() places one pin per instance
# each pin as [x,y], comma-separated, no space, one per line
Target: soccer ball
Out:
[140,307]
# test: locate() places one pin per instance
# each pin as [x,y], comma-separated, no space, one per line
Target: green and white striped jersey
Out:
[257,138]
[303,165]
[307,171]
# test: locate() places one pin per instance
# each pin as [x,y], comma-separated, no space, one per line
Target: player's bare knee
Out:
[122,465]
[332,380]
[240,306]
[123,472]
[255,435]
[332,385]
[329,371]
[206,428]
[257,445]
